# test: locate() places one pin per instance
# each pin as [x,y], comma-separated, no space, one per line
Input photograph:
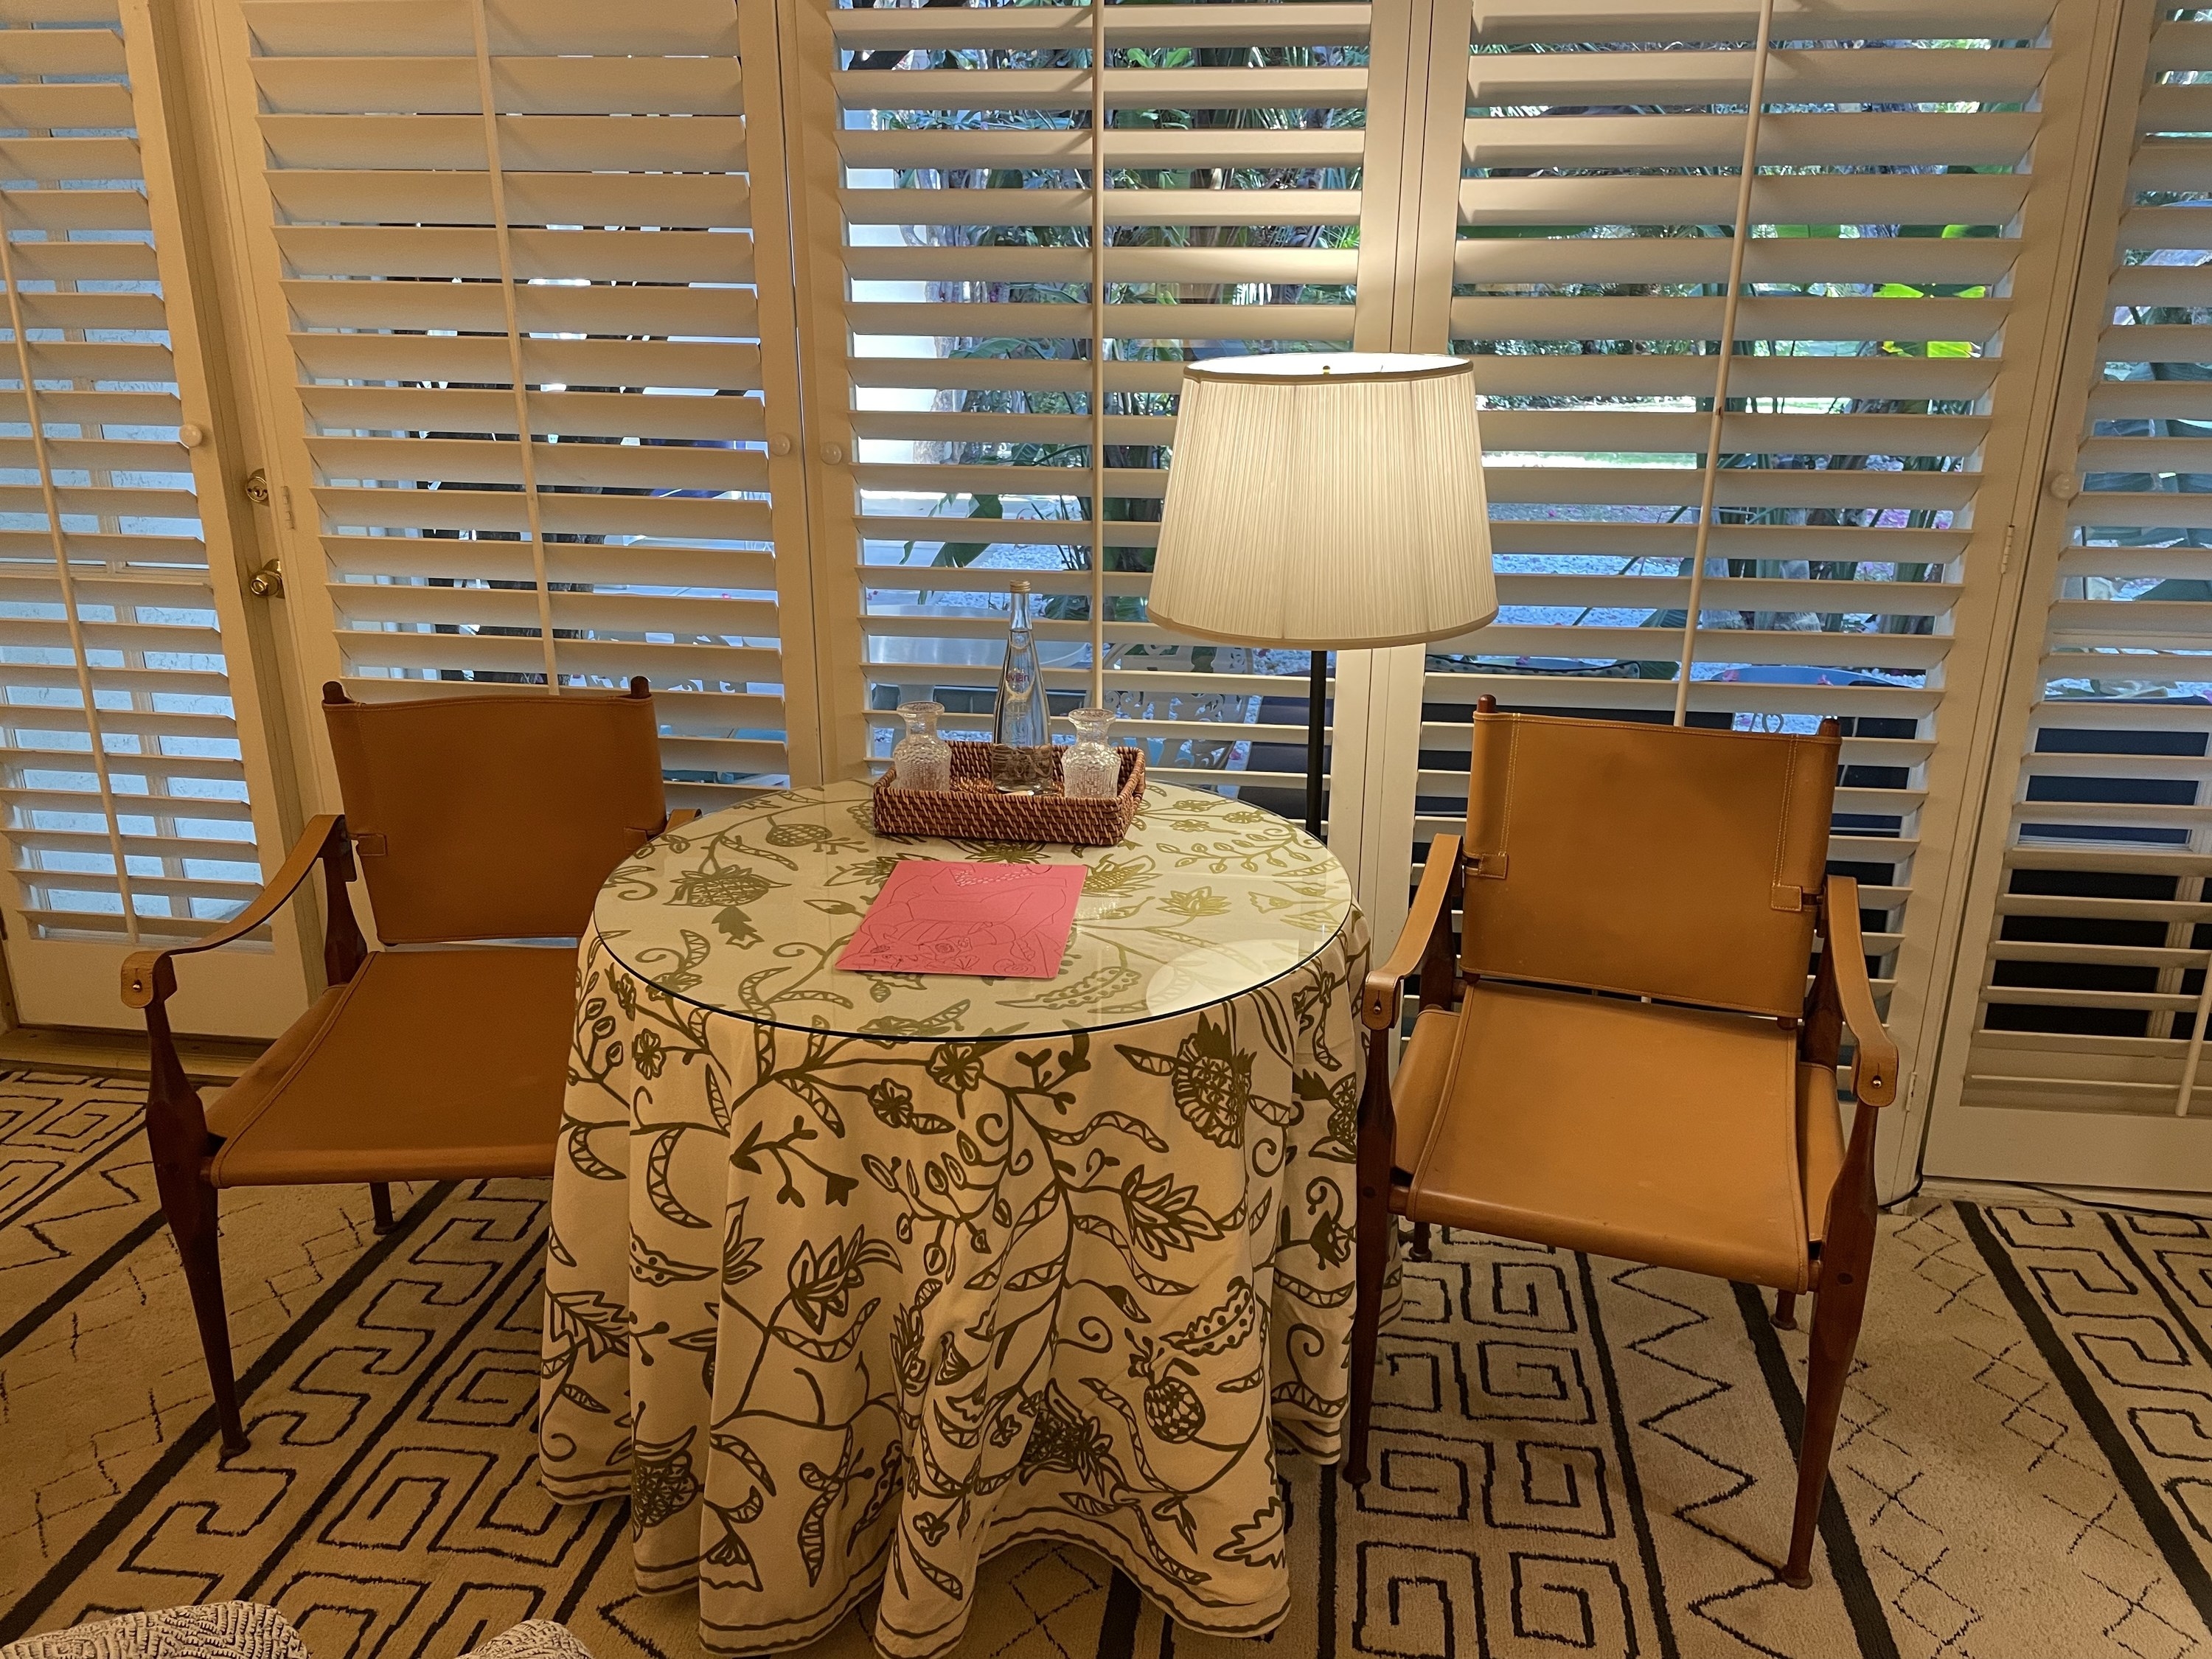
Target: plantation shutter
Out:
[1900,234]
[129,818]
[950,332]
[2086,1058]
[538,369]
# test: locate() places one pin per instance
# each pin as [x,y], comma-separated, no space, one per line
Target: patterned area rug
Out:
[1577,1456]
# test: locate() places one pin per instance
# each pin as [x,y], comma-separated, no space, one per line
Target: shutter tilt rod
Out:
[72,612]
[526,447]
[1737,244]
[2196,1046]
[1098,354]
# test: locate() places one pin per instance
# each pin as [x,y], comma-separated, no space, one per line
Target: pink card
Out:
[936,916]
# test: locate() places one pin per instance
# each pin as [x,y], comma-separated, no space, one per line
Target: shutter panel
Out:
[952,326]
[521,291]
[2091,1000]
[129,817]
[1600,161]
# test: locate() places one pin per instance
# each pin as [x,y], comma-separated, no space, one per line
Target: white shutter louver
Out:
[519,278]
[128,814]
[2092,998]
[952,338]
[1601,163]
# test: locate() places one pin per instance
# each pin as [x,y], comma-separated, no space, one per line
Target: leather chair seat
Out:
[1657,1134]
[426,1066]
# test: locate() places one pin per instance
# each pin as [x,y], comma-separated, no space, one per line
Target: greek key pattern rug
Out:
[1576,1457]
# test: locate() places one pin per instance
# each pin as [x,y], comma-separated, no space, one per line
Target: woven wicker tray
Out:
[973,810]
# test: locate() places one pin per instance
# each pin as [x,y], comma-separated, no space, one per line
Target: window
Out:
[515,267]
[1895,243]
[2092,992]
[124,772]
[749,349]
[951,328]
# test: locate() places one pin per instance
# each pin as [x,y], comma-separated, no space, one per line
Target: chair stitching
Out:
[1512,765]
[1505,811]
[1781,830]
[363,816]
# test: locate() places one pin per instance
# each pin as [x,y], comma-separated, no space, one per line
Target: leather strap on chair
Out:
[1490,811]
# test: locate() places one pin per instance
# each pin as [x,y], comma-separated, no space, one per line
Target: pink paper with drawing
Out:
[938,917]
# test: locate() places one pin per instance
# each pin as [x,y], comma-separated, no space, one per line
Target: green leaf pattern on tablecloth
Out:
[833,1310]
[749,910]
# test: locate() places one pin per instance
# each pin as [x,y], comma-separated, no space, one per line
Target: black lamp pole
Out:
[1316,715]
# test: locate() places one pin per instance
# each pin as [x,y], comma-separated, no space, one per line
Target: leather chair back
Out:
[1674,862]
[494,816]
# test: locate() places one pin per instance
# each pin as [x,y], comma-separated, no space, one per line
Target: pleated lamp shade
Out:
[1325,500]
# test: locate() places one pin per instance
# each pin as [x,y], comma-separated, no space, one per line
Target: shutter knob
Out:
[833,454]
[191,436]
[2065,486]
[780,444]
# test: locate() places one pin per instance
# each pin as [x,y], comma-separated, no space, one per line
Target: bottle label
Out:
[1017,680]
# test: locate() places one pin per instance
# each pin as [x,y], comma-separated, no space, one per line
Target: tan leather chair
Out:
[473,817]
[1626,1060]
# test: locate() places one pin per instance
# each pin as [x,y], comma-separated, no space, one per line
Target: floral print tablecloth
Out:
[838,1311]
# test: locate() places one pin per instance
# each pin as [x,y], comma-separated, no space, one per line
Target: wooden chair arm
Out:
[147,977]
[1874,1064]
[1378,1002]
[679,817]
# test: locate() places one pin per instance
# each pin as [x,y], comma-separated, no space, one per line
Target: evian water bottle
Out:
[1019,720]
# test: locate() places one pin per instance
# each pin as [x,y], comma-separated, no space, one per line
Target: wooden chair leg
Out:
[1376,1225]
[192,1216]
[1420,1251]
[1786,1310]
[1836,1312]
[177,1135]
[1373,1249]
[379,1201]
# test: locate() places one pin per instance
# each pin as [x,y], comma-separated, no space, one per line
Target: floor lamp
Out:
[1325,501]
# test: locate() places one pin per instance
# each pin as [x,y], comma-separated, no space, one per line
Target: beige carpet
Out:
[1578,1457]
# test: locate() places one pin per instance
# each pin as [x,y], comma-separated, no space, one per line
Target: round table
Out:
[855,1279]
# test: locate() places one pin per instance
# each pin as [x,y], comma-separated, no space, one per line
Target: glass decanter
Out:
[922,760]
[1019,720]
[1092,770]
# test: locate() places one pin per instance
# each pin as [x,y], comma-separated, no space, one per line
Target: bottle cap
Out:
[1017,587]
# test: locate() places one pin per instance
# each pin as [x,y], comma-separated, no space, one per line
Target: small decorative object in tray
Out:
[974,810]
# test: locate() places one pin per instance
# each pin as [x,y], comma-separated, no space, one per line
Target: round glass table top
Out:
[747,911]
